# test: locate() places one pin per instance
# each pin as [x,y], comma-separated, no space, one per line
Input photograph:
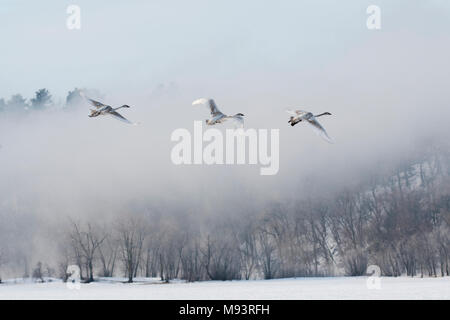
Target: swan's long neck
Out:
[119,108]
[322,114]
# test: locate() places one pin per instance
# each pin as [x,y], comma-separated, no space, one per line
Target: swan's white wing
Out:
[211,104]
[95,103]
[118,116]
[292,112]
[213,107]
[317,127]
[296,113]
[200,101]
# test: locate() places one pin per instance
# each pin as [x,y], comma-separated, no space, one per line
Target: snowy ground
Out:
[299,288]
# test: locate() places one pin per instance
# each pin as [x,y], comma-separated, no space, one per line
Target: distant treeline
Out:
[398,219]
[41,101]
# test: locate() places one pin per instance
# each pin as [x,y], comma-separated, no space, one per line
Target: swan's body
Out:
[103,109]
[216,115]
[300,115]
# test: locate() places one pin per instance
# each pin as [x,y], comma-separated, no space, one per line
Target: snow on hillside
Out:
[298,288]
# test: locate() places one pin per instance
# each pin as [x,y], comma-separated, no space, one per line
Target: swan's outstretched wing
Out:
[200,101]
[118,116]
[317,127]
[296,113]
[212,105]
[96,104]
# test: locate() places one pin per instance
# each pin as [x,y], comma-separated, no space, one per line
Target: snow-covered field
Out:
[298,288]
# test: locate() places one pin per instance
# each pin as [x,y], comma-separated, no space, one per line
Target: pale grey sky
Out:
[132,46]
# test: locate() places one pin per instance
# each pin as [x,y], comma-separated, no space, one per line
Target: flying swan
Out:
[300,115]
[102,109]
[216,115]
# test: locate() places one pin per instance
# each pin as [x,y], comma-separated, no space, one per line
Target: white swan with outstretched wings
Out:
[306,116]
[103,109]
[217,116]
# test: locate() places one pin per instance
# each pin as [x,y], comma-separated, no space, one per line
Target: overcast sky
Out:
[132,46]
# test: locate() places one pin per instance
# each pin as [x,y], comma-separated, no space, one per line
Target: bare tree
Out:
[107,253]
[38,273]
[192,265]
[268,260]
[246,240]
[172,245]
[85,243]
[131,235]
[221,258]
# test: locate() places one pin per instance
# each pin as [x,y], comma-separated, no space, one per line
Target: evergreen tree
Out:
[42,100]
[17,103]
[74,98]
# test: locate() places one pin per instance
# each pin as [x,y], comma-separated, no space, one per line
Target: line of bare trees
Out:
[397,219]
